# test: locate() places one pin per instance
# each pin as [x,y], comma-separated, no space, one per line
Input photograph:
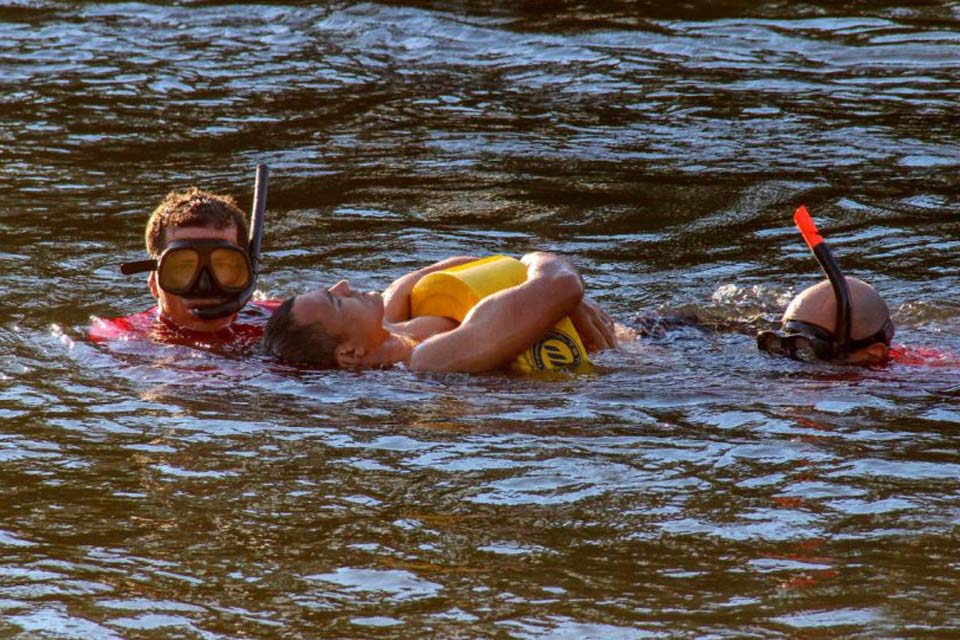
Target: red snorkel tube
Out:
[236,303]
[830,267]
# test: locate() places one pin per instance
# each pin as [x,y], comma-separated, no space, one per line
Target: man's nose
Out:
[342,288]
[204,285]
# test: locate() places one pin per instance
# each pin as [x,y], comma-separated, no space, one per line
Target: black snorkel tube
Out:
[830,267]
[237,302]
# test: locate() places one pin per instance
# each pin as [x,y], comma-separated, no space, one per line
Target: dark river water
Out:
[689,488]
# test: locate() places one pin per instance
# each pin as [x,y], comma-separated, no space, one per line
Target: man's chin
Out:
[194,306]
[198,323]
[182,312]
[201,303]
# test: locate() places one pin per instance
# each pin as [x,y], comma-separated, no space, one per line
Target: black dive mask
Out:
[212,268]
[806,341]
[199,269]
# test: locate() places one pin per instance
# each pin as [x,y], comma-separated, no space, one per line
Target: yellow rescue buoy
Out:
[453,292]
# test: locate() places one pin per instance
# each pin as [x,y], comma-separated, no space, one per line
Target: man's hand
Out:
[596,328]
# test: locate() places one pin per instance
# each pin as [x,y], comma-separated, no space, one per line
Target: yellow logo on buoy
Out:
[556,350]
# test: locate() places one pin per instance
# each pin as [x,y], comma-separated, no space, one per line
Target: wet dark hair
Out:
[193,208]
[307,344]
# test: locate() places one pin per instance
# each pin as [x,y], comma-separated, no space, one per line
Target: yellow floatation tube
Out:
[453,292]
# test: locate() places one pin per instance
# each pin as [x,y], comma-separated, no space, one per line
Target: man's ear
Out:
[348,356]
[154,288]
[877,352]
[874,354]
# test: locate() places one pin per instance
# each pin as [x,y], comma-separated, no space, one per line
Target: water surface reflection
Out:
[689,487]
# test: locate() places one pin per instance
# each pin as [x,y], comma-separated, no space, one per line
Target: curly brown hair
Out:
[193,208]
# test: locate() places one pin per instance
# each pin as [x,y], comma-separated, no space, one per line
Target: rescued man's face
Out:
[344,314]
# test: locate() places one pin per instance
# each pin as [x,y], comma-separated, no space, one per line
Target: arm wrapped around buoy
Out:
[496,296]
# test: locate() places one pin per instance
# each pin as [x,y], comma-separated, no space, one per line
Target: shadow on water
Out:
[689,487]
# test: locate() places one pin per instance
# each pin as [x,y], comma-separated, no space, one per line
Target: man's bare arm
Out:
[396,297]
[504,324]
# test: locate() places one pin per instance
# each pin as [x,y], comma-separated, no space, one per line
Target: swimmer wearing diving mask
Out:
[841,319]
[204,263]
